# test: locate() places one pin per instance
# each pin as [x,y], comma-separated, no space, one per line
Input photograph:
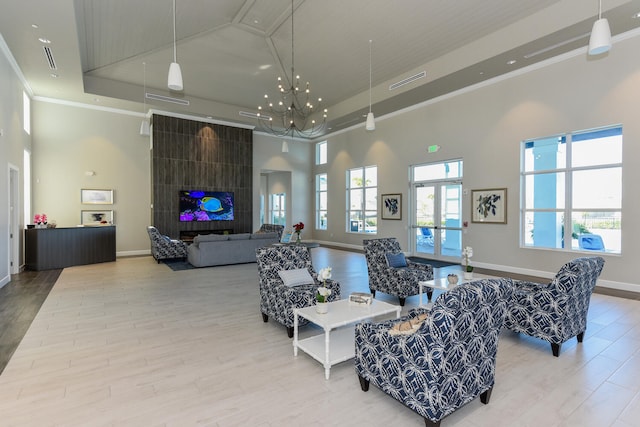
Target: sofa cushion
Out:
[396,260]
[240,236]
[210,238]
[264,235]
[296,277]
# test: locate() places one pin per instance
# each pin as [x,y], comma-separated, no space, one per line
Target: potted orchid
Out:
[322,296]
[467,253]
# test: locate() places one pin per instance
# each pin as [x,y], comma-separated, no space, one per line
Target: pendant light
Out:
[600,41]
[285,146]
[175,74]
[371,121]
[144,126]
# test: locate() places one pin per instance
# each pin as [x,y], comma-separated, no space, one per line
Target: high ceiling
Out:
[232,51]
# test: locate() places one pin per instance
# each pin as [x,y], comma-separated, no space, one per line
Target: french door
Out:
[436,223]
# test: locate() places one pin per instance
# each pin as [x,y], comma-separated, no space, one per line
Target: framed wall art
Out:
[489,206]
[391,206]
[96,218]
[96,197]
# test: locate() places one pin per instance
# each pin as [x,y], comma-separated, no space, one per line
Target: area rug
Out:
[434,263]
[178,264]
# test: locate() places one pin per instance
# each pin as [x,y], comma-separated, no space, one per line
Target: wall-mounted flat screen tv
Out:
[196,205]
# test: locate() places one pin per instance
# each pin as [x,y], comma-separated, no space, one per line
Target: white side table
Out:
[337,343]
[443,284]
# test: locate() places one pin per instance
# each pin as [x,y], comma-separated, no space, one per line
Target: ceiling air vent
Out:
[49,55]
[254,115]
[408,80]
[167,99]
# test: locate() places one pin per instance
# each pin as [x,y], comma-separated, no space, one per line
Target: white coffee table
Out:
[442,283]
[337,343]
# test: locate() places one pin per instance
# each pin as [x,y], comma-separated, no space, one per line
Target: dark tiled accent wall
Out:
[192,155]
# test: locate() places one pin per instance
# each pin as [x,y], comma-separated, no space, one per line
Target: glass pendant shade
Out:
[371,122]
[600,41]
[175,77]
[285,146]
[145,128]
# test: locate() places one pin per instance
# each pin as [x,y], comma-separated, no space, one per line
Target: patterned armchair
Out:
[271,228]
[401,282]
[162,247]
[450,357]
[278,300]
[557,311]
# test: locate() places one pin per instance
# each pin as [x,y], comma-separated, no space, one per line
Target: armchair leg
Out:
[373,292]
[402,300]
[290,331]
[580,336]
[429,423]
[555,349]
[484,397]
[265,318]
[429,294]
[364,384]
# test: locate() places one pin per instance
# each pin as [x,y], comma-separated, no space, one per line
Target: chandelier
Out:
[292,114]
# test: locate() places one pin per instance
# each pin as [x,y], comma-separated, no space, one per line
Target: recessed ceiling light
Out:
[34,25]
[636,15]
[45,41]
[513,61]
[54,75]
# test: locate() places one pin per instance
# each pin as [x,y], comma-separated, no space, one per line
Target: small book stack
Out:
[360,298]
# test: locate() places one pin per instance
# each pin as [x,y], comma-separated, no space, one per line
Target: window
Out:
[573,182]
[278,209]
[362,200]
[321,201]
[26,113]
[27,186]
[321,153]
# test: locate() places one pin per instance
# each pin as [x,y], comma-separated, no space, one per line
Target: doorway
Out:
[436,217]
[14,220]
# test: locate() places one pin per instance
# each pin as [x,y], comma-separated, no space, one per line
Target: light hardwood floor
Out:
[132,343]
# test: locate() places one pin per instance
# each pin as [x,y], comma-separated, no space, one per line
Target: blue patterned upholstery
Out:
[270,228]
[557,311]
[278,300]
[448,361]
[162,247]
[401,282]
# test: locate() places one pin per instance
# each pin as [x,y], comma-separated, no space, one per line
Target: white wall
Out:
[13,141]
[484,127]
[68,142]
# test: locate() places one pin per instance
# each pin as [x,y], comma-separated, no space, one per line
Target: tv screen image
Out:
[196,205]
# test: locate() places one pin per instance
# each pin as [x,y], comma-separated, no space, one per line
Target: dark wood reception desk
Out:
[49,248]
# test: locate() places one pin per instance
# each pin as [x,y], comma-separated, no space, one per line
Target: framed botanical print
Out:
[489,206]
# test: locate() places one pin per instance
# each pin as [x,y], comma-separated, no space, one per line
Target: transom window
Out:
[362,200]
[321,153]
[573,182]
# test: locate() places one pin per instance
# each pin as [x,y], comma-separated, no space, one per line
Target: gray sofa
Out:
[215,249]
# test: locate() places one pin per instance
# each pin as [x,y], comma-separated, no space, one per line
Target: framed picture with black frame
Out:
[391,206]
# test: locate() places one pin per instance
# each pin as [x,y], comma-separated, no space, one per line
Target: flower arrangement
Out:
[323,294]
[467,253]
[297,229]
[40,219]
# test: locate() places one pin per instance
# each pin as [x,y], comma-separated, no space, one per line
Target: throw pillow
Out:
[396,260]
[297,277]
[408,327]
